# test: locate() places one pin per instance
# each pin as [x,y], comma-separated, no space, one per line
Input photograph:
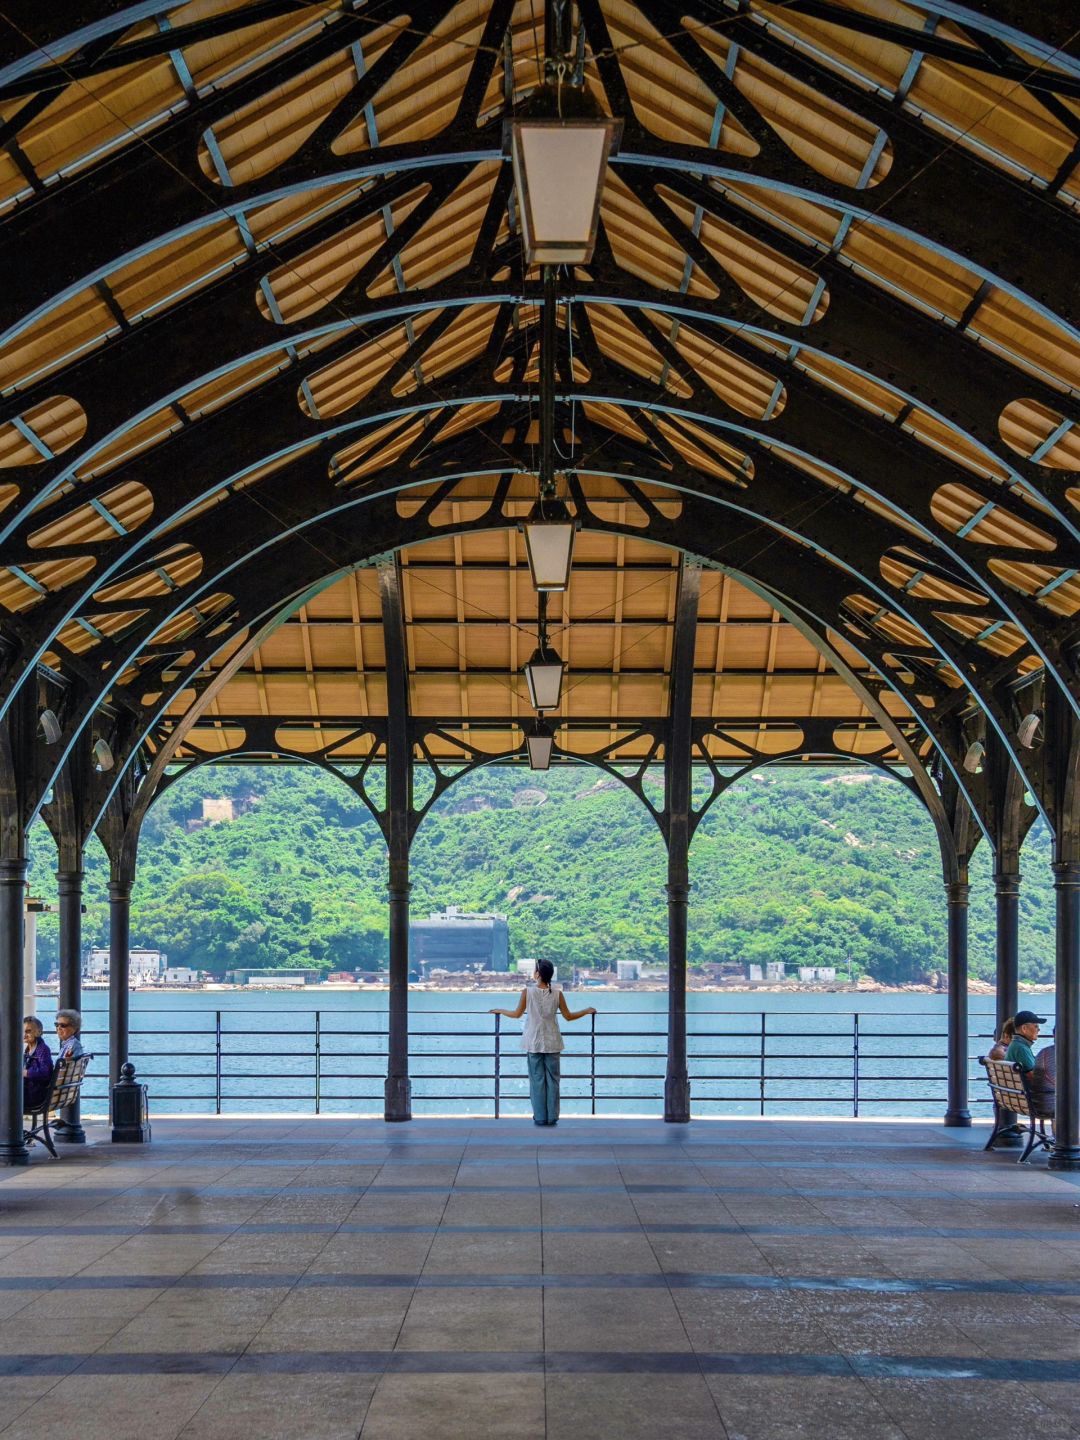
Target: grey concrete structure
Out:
[330,1279]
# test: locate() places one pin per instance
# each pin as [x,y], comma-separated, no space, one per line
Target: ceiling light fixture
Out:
[540,741]
[973,757]
[549,540]
[103,755]
[544,671]
[559,143]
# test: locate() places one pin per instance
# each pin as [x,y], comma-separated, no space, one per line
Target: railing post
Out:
[498,1062]
[592,1064]
[761,1067]
[855,1063]
[217,1062]
[318,1060]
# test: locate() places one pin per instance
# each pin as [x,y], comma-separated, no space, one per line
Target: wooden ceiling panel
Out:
[652,333]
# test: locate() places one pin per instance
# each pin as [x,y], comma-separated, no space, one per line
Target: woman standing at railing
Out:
[542,1004]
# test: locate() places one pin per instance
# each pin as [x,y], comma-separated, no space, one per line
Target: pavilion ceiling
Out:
[271,322]
[760,687]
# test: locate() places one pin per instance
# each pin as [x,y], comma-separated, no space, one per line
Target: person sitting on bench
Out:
[1025,1032]
[1043,1079]
[1004,1039]
[68,1025]
[37,1065]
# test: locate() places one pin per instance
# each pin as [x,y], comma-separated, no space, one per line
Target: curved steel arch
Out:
[642,152]
[624,398]
[318,560]
[272,536]
[917,139]
[912,611]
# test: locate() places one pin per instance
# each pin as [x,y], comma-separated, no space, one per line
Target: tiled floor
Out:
[757,1280]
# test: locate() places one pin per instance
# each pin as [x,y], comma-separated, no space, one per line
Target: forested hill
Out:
[801,865]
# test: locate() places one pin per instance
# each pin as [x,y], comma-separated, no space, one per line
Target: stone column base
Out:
[677,1100]
[397,1099]
[958,1119]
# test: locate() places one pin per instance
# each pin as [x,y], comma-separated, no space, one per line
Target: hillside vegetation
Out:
[808,866]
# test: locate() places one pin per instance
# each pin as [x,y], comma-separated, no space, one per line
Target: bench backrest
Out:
[67,1080]
[1007,1083]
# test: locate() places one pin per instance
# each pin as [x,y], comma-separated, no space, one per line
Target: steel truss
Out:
[258,501]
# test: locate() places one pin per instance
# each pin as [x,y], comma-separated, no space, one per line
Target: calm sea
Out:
[295,1052]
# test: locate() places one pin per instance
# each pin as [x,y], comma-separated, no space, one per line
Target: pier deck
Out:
[754,1279]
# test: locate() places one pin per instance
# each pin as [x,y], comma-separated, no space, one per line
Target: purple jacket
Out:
[37,1064]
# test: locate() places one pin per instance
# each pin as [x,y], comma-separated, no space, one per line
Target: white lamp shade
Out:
[540,743]
[1028,729]
[103,756]
[50,726]
[973,759]
[549,544]
[544,674]
[559,173]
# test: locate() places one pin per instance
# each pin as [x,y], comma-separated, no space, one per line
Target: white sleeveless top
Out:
[541,1032]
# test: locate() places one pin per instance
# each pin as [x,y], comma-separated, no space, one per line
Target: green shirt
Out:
[1021,1053]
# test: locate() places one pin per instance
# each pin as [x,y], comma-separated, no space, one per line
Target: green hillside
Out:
[801,865]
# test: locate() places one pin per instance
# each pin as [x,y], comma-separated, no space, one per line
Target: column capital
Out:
[678,892]
[13,872]
[1007,882]
[1066,874]
[71,878]
[957,891]
[119,890]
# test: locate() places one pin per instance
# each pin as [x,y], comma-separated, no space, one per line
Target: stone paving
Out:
[328,1279]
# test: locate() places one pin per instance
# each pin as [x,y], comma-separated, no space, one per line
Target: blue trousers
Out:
[544,1086]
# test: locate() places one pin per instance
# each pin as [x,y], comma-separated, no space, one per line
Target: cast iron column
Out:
[398,1090]
[1066,1152]
[1007,898]
[119,960]
[677,1079]
[957,1112]
[13,1149]
[69,885]
[397,1095]
[677,765]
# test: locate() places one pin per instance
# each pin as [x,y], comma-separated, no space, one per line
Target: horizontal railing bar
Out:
[725,1048]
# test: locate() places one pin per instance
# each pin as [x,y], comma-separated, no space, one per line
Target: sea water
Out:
[241,1052]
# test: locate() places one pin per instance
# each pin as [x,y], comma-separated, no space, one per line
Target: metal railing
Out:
[741,1062]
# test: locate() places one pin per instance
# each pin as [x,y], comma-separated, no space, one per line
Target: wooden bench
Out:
[67,1079]
[1013,1097]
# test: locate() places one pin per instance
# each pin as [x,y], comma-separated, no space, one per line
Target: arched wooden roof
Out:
[270,321]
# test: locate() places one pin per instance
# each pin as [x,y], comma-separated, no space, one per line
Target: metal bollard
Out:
[130,1117]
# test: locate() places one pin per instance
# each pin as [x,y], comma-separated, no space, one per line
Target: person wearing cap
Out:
[1025,1032]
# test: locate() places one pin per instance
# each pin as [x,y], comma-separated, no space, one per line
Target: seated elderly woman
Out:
[68,1025]
[37,1065]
